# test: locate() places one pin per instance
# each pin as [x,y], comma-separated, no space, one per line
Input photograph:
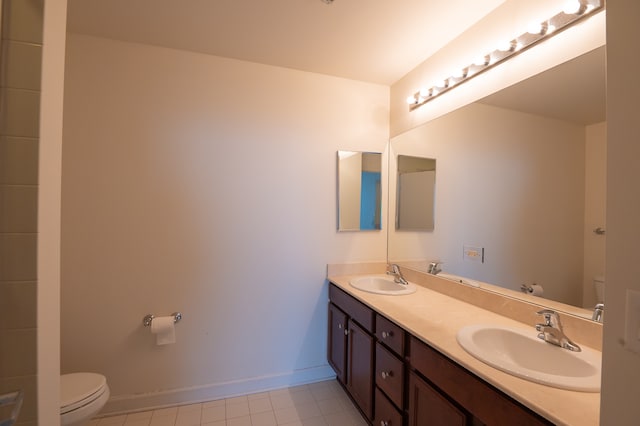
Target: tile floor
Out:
[317,404]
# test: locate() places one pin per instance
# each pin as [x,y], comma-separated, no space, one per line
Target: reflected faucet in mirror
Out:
[434,268]
[598,312]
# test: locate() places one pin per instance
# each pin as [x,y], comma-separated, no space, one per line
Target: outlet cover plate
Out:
[473,253]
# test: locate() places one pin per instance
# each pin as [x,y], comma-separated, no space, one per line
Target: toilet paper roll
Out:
[535,290]
[165,330]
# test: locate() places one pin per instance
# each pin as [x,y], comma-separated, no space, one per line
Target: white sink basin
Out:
[382,284]
[522,354]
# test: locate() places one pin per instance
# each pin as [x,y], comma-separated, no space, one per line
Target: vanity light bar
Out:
[573,12]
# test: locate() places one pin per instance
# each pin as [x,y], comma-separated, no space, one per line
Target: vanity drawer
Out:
[390,334]
[390,374]
[386,413]
[356,310]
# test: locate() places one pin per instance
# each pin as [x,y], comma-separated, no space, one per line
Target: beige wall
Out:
[203,185]
[505,22]
[621,368]
[19,140]
[510,182]
[595,198]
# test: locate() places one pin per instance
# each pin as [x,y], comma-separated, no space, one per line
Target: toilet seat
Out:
[80,389]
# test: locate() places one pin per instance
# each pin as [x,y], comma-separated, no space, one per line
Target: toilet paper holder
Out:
[146,321]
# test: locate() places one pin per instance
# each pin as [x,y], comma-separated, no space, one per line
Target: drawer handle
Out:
[386,374]
[384,423]
[386,334]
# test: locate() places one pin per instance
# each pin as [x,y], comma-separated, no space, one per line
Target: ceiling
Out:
[376,41]
[574,91]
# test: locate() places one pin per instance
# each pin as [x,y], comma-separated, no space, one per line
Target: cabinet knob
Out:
[339,326]
[386,334]
[346,331]
[384,423]
[386,374]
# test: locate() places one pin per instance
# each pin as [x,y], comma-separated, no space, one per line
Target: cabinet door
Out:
[427,407]
[360,367]
[337,342]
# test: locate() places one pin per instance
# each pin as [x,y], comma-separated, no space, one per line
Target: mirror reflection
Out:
[521,176]
[359,191]
[415,193]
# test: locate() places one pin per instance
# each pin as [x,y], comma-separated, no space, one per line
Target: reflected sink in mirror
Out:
[522,354]
[382,284]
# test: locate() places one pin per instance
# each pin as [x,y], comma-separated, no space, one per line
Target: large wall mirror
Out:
[359,191]
[521,174]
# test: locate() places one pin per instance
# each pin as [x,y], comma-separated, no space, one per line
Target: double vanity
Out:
[409,354]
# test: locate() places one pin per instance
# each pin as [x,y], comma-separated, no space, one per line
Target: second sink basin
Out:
[522,354]
[382,284]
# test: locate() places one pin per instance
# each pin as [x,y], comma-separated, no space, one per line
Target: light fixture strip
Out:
[547,29]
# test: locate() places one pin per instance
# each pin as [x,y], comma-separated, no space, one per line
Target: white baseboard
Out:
[150,401]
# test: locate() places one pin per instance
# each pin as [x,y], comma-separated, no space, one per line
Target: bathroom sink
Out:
[522,354]
[382,284]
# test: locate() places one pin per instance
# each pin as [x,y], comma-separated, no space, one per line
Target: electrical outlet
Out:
[632,322]
[473,254]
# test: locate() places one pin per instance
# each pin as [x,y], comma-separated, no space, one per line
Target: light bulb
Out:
[424,92]
[440,83]
[572,7]
[482,60]
[411,99]
[550,28]
[534,28]
[505,46]
[459,73]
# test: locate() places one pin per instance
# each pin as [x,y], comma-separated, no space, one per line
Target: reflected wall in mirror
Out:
[415,193]
[522,175]
[359,191]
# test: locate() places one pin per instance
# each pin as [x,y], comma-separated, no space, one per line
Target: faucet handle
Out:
[550,317]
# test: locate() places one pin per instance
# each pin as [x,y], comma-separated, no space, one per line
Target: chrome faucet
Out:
[395,270]
[551,331]
[598,312]
[434,268]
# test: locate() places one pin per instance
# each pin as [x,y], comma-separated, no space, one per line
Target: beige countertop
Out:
[435,319]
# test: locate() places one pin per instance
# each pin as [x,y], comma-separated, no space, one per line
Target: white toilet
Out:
[82,396]
[598,284]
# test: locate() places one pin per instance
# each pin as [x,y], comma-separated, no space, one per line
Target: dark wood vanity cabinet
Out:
[396,379]
[463,398]
[351,347]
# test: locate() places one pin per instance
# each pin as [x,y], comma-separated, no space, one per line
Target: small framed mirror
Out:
[359,191]
[415,193]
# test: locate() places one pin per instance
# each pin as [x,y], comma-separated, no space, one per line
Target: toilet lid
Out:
[78,389]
